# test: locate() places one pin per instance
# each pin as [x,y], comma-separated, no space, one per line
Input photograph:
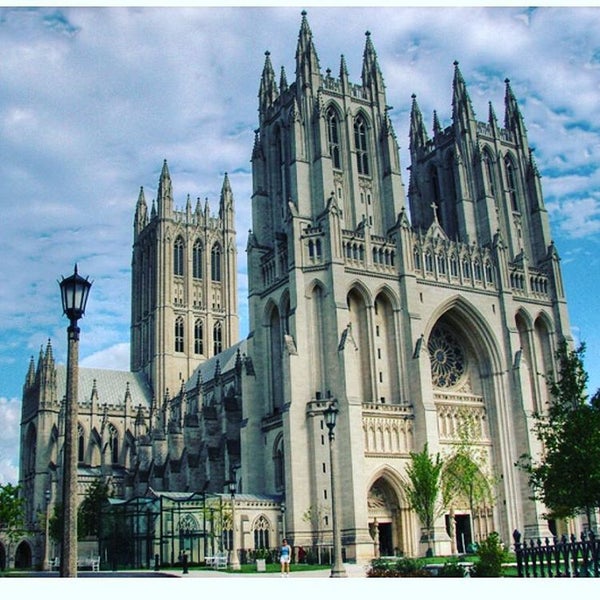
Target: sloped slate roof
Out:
[207,369]
[110,385]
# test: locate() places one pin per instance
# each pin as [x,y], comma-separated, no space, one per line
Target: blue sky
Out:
[93,100]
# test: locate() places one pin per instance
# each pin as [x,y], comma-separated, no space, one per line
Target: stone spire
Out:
[462,110]
[141,214]
[417,132]
[371,73]
[165,192]
[267,93]
[308,71]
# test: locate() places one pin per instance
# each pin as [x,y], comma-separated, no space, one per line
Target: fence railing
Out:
[559,557]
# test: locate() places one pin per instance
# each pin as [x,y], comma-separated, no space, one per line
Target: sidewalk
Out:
[352,570]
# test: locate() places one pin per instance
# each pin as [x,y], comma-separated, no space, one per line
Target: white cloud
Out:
[115,357]
[10,417]
[94,99]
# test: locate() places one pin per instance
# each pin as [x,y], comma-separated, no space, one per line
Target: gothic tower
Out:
[184,286]
[327,192]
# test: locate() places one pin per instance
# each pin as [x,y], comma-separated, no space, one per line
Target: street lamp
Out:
[47,532]
[74,292]
[337,569]
[235,561]
[283,536]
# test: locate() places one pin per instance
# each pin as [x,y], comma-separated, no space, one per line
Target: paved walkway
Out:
[351,570]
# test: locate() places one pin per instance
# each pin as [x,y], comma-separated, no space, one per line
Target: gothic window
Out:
[477,270]
[435,187]
[428,262]
[417,258]
[489,171]
[179,334]
[198,337]
[215,263]
[333,138]
[446,356]
[197,260]
[360,143]
[178,250]
[114,444]
[279,465]
[217,338]
[80,444]
[441,263]
[466,268]
[511,183]
[261,533]
[453,266]
[489,272]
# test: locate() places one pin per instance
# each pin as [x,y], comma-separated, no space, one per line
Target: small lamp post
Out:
[74,292]
[45,564]
[283,536]
[235,561]
[337,569]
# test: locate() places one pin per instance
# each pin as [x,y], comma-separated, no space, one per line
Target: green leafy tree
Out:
[566,478]
[423,488]
[89,513]
[12,514]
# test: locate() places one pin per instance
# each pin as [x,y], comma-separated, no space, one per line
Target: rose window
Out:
[447,358]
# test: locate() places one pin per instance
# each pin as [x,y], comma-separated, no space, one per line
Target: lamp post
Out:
[337,569]
[283,536]
[47,532]
[235,561]
[74,292]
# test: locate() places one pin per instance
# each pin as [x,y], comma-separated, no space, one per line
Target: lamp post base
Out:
[338,571]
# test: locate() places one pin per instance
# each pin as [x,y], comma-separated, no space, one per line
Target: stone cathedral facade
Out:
[414,307]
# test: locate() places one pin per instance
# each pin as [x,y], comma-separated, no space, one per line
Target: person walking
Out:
[285,557]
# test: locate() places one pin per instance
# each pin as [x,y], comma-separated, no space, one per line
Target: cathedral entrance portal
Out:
[384,519]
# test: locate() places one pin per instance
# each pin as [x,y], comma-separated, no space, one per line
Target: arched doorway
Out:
[384,519]
[3,564]
[23,556]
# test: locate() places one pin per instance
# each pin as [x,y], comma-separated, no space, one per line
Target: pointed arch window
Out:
[198,337]
[333,138]
[360,144]
[80,444]
[197,260]
[217,338]
[261,533]
[178,251]
[114,444]
[489,171]
[179,334]
[215,263]
[511,183]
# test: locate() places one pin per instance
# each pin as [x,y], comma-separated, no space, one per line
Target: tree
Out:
[89,513]
[566,478]
[12,514]
[423,489]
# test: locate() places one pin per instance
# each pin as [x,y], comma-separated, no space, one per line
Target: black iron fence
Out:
[559,557]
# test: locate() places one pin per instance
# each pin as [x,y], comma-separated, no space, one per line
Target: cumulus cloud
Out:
[93,100]
[10,416]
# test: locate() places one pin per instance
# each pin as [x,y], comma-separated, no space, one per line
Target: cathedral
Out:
[412,307]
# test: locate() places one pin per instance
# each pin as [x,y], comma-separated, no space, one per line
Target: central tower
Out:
[184,286]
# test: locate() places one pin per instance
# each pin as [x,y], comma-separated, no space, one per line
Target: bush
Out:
[403,567]
[491,555]
[452,569]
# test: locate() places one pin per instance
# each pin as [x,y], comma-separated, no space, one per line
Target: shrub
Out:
[491,555]
[452,569]
[403,567]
